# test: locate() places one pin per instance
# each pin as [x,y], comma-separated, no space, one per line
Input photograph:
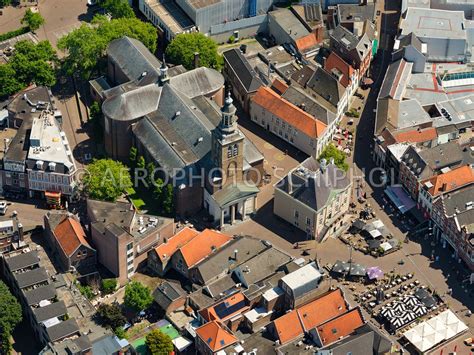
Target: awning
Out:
[400,198]
[386,246]
[375,233]
[374,272]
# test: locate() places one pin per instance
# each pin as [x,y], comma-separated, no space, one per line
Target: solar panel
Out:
[224,309]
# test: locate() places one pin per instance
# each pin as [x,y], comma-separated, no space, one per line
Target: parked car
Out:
[3,207]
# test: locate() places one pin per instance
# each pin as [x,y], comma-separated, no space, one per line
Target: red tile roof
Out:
[450,180]
[306,42]
[202,245]
[293,115]
[279,86]
[167,249]
[210,313]
[416,136]
[215,336]
[70,235]
[336,62]
[340,327]
[322,309]
[288,327]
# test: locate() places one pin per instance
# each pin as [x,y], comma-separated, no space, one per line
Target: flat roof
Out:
[171,15]
[434,23]
[49,143]
[302,276]
[290,23]
[199,4]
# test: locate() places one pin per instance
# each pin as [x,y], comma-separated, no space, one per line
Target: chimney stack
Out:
[20,231]
[236,251]
[196,59]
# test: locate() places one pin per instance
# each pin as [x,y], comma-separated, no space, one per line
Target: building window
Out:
[297,214]
[130,262]
[308,220]
[129,246]
[229,151]
[235,150]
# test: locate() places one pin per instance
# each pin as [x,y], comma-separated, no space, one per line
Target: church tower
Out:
[164,73]
[228,145]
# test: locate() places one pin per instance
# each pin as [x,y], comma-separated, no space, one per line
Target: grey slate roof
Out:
[311,186]
[364,341]
[106,345]
[423,163]
[22,261]
[234,192]
[350,43]
[298,97]
[224,259]
[242,69]
[39,294]
[168,292]
[327,86]
[32,277]
[263,265]
[456,201]
[200,81]
[62,330]
[106,213]
[133,57]
[56,309]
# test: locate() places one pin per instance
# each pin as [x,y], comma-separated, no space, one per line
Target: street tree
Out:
[183,47]
[118,8]
[137,296]
[10,316]
[4,3]
[9,84]
[33,20]
[106,179]
[108,286]
[339,157]
[111,315]
[86,46]
[158,343]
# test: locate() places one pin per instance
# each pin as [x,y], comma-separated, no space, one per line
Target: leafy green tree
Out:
[339,157]
[4,3]
[167,199]
[182,48]
[10,309]
[133,155]
[141,162]
[87,45]
[32,19]
[9,84]
[120,333]
[118,8]
[86,291]
[158,343]
[5,340]
[158,189]
[150,167]
[137,296]
[111,315]
[106,179]
[108,286]
[32,63]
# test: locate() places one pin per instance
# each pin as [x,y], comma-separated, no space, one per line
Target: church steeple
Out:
[228,123]
[164,72]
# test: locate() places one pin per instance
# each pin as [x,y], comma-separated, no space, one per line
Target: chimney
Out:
[444,187]
[196,59]
[303,106]
[236,251]
[5,144]
[20,231]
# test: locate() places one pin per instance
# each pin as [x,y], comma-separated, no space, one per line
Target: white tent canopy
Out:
[434,331]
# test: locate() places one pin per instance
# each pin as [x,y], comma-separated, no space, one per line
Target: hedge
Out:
[11,34]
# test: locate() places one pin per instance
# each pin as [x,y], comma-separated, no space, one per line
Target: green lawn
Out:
[170,331]
[140,346]
[143,200]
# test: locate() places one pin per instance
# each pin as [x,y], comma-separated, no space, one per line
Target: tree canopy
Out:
[106,179]
[32,19]
[118,8]
[339,157]
[158,343]
[5,3]
[86,45]
[182,48]
[30,63]
[137,296]
[10,316]
[111,315]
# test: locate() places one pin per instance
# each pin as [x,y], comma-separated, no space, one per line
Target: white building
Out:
[444,33]
[50,164]
[289,122]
